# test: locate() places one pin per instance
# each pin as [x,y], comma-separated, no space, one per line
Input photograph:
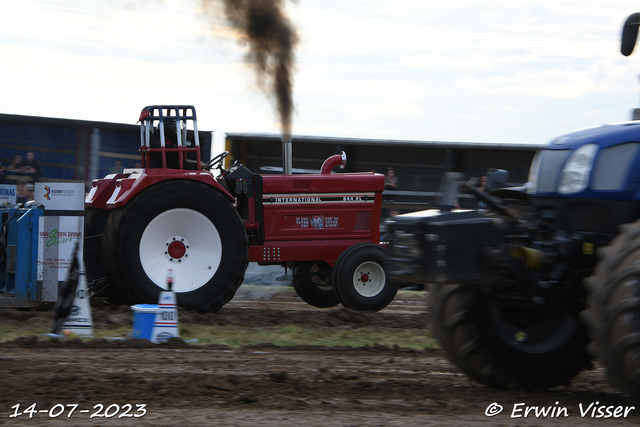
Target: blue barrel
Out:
[144,316]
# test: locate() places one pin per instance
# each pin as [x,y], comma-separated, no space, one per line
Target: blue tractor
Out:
[525,294]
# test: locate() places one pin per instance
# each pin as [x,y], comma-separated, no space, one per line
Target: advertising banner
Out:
[7,194]
[60,195]
[60,228]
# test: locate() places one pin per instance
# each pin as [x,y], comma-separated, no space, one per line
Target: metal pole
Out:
[287,162]
[94,156]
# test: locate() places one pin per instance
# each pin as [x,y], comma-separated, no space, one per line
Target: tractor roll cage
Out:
[157,144]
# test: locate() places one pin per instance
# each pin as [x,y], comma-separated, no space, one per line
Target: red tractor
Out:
[176,214]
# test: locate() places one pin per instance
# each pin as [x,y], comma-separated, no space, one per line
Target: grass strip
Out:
[282,336]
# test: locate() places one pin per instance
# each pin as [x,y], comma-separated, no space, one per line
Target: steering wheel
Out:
[216,162]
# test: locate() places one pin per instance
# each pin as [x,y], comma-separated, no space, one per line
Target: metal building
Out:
[419,165]
[74,150]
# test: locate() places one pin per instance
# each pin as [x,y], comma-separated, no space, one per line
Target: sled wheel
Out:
[184,226]
[613,310]
[312,284]
[507,347]
[360,280]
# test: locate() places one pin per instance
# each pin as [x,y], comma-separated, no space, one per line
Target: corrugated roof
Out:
[52,121]
[387,142]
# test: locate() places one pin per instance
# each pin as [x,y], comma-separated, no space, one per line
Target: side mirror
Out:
[630,34]
[496,178]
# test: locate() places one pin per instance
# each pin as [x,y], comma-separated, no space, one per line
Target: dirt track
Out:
[266,385]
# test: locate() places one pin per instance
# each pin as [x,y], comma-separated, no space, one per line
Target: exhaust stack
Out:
[287,162]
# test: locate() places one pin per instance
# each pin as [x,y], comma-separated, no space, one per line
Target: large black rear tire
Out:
[613,310]
[185,226]
[360,278]
[481,339]
[312,284]
[95,221]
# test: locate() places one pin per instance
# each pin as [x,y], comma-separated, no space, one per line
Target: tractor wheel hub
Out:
[176,249]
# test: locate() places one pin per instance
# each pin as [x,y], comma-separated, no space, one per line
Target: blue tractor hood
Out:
[596,163]
[605,136]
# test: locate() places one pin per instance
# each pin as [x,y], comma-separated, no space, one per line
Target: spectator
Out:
[21,192]
[384,229]
[16,165]
[116,168]
[391,180]
[3,172]
[30,167]
[482,205]
[30,191]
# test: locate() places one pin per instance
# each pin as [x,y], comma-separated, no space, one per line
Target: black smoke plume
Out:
[271,38]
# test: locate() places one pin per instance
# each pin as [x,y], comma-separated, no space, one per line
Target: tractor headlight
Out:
[575,174]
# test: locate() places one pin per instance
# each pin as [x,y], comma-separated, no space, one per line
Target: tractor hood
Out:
[594,163]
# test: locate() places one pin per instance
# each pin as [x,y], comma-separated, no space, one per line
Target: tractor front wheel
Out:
[312,284]
[507,347]
[183,226]
[360,279]
[613,309]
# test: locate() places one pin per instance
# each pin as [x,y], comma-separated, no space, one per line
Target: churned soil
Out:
[266,385]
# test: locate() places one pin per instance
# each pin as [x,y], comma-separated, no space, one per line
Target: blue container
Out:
[144,316]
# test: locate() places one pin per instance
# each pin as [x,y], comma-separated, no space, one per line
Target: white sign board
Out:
[60,229]
[7,194]
[60,195]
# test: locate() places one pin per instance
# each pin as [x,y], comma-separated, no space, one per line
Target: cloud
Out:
[553,82]
[152,30]
[417,69]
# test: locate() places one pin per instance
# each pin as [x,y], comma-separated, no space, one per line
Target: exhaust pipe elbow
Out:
[332,162]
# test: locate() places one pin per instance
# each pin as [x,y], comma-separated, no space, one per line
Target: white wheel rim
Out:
[369,279]
[195,263]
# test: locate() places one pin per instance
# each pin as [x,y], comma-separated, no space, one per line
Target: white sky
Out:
[460,70]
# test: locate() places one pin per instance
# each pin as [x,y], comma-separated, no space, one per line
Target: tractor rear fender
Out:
[101,190]
[116,192]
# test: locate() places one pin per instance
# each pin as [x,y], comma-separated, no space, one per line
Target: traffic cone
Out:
[79,320]
[166,322]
